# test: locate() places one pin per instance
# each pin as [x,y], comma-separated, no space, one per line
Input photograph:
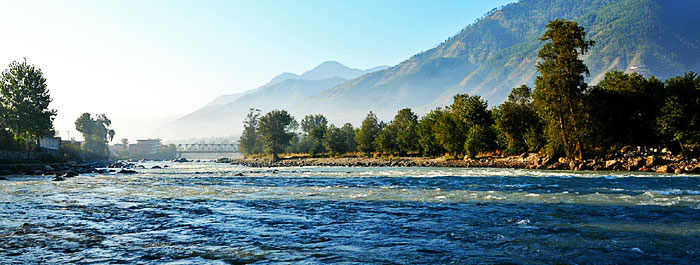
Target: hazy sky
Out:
[145,62]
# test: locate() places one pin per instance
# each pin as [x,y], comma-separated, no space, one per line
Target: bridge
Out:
[205,149]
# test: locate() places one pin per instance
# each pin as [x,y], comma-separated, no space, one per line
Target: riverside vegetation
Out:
[25,117]
[625,122]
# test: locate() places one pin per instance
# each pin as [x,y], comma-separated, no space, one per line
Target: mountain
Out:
[225,114]
[499,52]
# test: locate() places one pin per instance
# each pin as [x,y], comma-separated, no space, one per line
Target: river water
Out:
[195,213]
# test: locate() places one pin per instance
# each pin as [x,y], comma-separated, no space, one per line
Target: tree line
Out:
[561,116]
[25,116]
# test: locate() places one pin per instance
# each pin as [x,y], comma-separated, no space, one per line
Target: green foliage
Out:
[480,138]
[427,126]
[250,143]
[96,134]
[340,140]
[349,137]
[518,118]
[679,120]
[367,134]
[405,130]
[276,130]
[560,86]
[385,140]
[314,129]
[448,134]
[622,111]
[24,103]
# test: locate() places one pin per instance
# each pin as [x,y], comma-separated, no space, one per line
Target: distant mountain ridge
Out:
[499,52]
[488,58]
[224,115]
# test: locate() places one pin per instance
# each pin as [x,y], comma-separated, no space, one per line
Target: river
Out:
[195,213]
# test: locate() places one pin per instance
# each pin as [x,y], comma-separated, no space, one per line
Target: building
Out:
[145,147]
[50,143]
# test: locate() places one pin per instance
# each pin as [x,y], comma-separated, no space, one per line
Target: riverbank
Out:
[660,163]
[57,170]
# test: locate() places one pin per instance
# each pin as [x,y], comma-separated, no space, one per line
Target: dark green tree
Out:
[679,120]
[623,109]
[314,129]
[427,126]
[448,133]
[480,138]
[405,129]
[276,129]
[519,122]
[250,143]
[24,101]
[96,134]
[386,140]
[349,137]
[560,86]
[334,141]
[367,134]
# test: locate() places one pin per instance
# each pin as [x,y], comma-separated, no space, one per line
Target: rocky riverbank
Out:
[629,161]
[61,171]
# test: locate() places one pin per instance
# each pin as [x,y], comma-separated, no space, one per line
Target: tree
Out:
[560,86]
[96,134]
[367,134]
[519,122]
[448,133]
[249,143]
[480,138]
[623,109]
[314,129]
[427,126]
[386,142]
[24,100]
[334,141]
[349,137]
[405,127]
[679,120]
[276,129]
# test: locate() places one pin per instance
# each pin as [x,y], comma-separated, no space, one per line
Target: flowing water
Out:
[204,213]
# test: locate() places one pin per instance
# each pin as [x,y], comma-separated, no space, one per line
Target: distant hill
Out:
[224,115]
[499,52]
[487,58]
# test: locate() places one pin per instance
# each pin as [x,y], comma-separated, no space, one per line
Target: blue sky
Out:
[145,62]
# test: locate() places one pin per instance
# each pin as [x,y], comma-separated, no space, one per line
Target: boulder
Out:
[611,163]
[584,166]
[637,162]
[573,165]
[127,171]
[3,178]
[70,174]
[58,178]
[650,161]
[181,160]
[238,174]
[678,171]
[38,172]
[643,169]
[662,169]
[156,167]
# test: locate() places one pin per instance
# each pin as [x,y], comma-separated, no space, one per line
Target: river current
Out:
[199,213]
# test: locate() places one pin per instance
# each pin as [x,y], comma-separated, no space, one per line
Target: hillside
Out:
[224,115]
[499,52]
